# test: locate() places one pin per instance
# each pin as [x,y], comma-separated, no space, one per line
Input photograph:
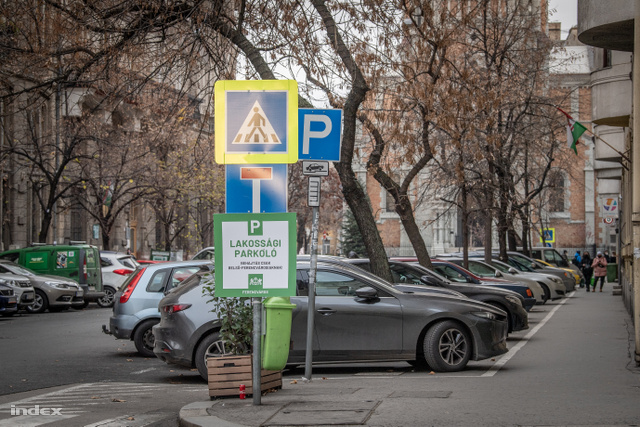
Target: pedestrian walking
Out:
[599,265]
[606,256]
[577,259]
[587,270]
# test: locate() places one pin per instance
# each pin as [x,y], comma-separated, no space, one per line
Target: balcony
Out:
[606,24]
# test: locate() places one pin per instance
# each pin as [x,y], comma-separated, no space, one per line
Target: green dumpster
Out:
[612,273]
[277,332]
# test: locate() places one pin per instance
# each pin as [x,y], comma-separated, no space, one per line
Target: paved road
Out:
[572,367]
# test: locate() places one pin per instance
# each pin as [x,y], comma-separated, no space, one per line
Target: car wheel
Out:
[210,346]
[503,308]
[447,347]
[547,292]
[143,338]
[108,299]
[40,303]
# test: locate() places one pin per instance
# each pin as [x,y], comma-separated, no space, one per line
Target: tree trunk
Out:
[44,226]
[413,232]
[465,227]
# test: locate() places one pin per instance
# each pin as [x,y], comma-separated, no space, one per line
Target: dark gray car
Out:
[358,318]
[509,301]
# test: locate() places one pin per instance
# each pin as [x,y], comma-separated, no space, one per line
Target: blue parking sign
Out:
[319,134]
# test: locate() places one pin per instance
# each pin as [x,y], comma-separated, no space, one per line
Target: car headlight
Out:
[556,280]
[11,283]
[513,299]
[57,285]
[484,315]
[566,274]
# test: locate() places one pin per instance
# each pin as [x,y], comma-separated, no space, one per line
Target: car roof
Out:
[172,264]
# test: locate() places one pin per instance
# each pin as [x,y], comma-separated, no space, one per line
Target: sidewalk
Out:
[572,367]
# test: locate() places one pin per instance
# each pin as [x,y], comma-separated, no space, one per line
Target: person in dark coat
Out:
[587,270]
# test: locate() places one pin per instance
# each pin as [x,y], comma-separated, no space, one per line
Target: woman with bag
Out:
[599,265]
[587,270]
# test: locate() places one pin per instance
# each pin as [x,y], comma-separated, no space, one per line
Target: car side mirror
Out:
[513,270]
[428,280]
[533,265]
[498,274]
[367,292]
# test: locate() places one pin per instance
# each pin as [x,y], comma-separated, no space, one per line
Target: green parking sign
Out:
[255,254]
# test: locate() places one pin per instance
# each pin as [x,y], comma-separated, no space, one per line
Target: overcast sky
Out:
[566,11]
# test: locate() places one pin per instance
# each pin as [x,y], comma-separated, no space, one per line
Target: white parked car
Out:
[116,267]
[552,286]
[206,253]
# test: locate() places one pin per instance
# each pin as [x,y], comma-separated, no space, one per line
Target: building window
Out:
[606,58]
[556,191]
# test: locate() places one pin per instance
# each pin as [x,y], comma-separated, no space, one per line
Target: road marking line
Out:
[33,420]
[512,352]
[143,371]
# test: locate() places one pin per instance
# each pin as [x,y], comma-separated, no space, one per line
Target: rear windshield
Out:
[91,258]
[128,261]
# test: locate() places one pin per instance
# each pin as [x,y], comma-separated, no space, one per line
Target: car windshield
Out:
[451,273]
[370,276]
[520,266]
[433,274]
[17,269]
[481,269]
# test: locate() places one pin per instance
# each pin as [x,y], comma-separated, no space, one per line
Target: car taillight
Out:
[174,308]
[529,293]
[131,286]
[123,271]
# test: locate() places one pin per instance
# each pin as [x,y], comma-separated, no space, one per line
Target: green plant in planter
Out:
[235,316]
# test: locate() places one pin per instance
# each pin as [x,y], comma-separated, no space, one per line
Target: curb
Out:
[196,415]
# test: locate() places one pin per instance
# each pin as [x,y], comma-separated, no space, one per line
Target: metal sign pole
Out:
[311,309]
[256,362]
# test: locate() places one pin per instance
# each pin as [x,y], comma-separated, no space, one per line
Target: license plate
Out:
[79,293]
[92,288]
[13,300]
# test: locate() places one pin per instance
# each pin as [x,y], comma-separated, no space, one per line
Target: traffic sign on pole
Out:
[313,196]
[320,134]
[256,188]
[256,121]
[255,254]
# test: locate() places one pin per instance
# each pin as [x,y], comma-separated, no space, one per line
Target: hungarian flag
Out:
[574,131]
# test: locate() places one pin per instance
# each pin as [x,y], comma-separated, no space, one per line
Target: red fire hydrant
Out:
[243,394]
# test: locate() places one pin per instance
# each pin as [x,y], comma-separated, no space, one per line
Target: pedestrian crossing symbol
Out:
[256,121]
[256,129]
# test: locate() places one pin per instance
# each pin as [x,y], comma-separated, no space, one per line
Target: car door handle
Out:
[326,311]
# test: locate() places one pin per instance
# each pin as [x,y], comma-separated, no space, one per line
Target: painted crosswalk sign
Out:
[256,129]
[256,121]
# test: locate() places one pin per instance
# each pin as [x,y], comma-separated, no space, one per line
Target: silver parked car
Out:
[22,288]
[359,317]
[135,309]
[51,292]
[116,267]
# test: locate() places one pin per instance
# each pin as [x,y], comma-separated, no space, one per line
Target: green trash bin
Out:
[612,273]
[277,333]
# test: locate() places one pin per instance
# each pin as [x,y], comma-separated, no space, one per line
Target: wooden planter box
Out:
[228,372]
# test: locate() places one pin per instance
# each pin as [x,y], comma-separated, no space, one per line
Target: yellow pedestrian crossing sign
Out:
[256,121]
[256,129]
